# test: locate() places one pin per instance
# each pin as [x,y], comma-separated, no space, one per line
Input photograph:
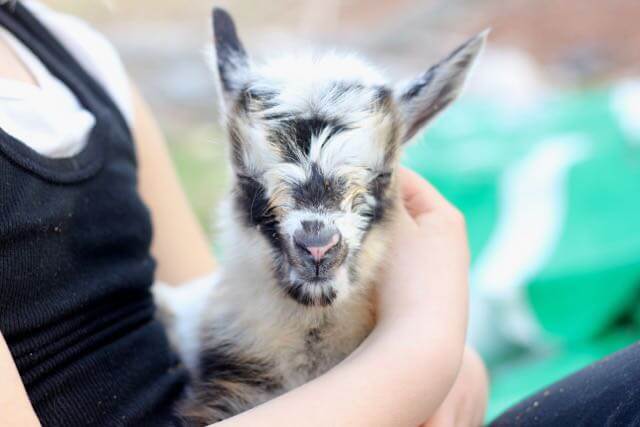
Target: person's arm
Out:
[15,406]
[403,371]
[179,244]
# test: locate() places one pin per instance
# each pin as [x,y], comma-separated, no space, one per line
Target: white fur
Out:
[186,303]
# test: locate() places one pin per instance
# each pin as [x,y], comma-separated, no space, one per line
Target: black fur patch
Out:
[318,191]
[296,291]
[251,199]
[236,145]
[294,135]
[382,97]
[276,117]
[313,337]
[222,364]
[441,102]
[421,83]
[378,189]
[229,50]
[225,376]
[251,99]
[464,61]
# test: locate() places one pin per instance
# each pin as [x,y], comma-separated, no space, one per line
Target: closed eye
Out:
[382,179]
[243,177]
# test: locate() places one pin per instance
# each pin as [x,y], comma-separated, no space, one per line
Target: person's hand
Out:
[426,287]
[429,257]
[431,243]
[466,403]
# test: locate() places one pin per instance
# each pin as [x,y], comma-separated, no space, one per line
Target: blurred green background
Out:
[542,153]
[200,162]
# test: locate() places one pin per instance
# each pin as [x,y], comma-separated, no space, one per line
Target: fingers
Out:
[427,208]
[419,196]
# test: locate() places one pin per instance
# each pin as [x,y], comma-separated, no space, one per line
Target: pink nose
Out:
[318,252]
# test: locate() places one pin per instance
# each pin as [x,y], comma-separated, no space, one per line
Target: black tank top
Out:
[75,267]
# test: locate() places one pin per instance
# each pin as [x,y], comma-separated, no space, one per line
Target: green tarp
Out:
[551,193]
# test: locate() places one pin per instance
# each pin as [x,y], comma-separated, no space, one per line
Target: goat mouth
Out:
[316,273]
[319,280]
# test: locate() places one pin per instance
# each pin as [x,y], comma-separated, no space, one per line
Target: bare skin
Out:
[466,402]
[12,68]
[421,322]
[179,244]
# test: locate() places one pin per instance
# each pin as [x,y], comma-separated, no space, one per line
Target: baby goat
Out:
[315,143]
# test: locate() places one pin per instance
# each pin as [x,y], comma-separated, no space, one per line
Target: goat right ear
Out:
[421,99]
[231,58]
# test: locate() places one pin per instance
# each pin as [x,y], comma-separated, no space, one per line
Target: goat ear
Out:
[421,99]
[231,58]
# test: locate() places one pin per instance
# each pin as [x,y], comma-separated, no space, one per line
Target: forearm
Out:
[179,244]
[15,407]
[466,403]
[397,380]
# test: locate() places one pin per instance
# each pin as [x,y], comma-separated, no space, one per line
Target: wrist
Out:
[416,337]
[403,353]
[424,322]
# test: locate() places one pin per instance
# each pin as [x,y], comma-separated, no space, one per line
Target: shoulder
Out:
[92,50]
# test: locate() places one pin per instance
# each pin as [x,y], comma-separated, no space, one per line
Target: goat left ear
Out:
[421,99]
[231,58]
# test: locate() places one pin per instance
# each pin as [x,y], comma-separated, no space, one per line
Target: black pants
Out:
[606,393]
